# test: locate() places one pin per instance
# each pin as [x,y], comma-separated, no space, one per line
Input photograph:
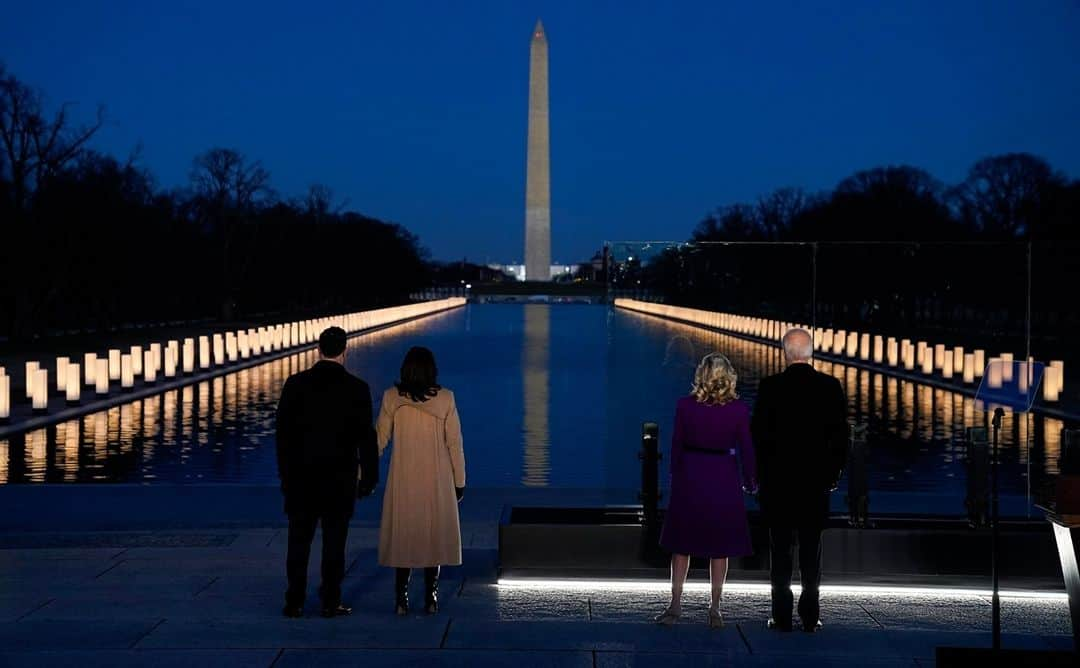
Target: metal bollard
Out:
[978,477]
[650,491]
[858,491]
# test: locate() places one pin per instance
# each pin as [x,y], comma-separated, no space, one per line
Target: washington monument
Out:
[538,165]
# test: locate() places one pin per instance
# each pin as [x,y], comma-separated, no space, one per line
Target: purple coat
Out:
[707,516]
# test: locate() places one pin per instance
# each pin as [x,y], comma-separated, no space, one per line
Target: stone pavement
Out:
[213,597]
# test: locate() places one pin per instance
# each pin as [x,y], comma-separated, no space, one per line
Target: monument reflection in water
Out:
[550,396]
[535,385]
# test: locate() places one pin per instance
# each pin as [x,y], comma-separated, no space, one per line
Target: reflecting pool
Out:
[551,396]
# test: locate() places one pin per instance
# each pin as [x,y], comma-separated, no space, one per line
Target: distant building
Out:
[518,270]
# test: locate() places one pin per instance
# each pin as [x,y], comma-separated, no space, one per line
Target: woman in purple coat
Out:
[707,516]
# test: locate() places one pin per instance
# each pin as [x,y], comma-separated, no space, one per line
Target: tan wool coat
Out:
[420,524]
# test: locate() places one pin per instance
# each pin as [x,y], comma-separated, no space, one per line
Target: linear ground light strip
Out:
[753,587]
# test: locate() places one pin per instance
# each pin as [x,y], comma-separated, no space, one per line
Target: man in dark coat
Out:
[800,434]
[324,433]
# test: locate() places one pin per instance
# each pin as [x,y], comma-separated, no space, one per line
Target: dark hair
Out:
[418,375]
[332,342]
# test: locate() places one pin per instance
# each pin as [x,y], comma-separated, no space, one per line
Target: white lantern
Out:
[839,340]
[244,345]
[5,397]
[41,391]
[1052,383]
[101,377]
[219,350]
[114,364]
[1059,374]
[136,360]
[980,363]
[920,352]
[969,368]
[149,367]
[1006,367]
[995,374]
[892,352]
[61,373]
[155,355]
[204,352]
[90,367]
[73,391]
[231,351]
[947,364]
[31,377]
[170,363]
[852,344]
[939,355]
[189,356]
[928,363]
[127,373]
[958,359]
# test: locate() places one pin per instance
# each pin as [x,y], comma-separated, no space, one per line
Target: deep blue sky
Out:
[415,112]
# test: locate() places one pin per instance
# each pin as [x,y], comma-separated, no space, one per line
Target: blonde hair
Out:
[714,380]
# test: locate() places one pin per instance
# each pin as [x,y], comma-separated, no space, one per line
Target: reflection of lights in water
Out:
[536,466]
[35,454]
[680,353]
[5,447]
[1052,443]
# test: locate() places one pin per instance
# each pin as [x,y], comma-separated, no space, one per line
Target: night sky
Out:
[415,112]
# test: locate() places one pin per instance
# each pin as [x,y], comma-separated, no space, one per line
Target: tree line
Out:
[89,241]
[894,249]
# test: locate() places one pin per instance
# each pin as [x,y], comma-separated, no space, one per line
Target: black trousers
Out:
[782,542]
[301,533]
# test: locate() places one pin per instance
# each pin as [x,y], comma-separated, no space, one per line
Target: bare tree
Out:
[229,190]
[1007,195]
[778,210]
[35,145]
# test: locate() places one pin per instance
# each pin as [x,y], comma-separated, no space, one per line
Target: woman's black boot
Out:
[401,590]
[431,590]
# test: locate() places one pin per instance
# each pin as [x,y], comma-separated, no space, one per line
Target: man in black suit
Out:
[324,432]
[800,433]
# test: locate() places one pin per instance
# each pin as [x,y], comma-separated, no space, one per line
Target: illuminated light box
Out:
[1052,384]
[969,368]
[41,391]
[947,364]
[1007,368]
[928,364]
[839,340]
[920,352]
[73,389]
[243,345]
[231,352]
[994,378]
[939,356]
[149,368]
[61,373]
[892,352]
[188,362]
[127,372]
[5,397]
[1059,374]
[101,377]
[219,350]
[879,349]
[90,368]
[31,377]
[958,359]
[204,352]
[155,355]
[170,363]
[114,364]
[137,359]
[852,344]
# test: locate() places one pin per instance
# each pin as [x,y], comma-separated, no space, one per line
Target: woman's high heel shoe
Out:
[401,591]
[667,617]
[716,620]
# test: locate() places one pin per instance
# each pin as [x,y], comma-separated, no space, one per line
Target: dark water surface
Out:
[550,396]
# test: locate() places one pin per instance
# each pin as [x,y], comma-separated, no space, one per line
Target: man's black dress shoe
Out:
[337,611]
[772,625]
[293,611]
[813,628]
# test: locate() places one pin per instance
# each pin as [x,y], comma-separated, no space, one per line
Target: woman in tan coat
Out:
[420,525]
